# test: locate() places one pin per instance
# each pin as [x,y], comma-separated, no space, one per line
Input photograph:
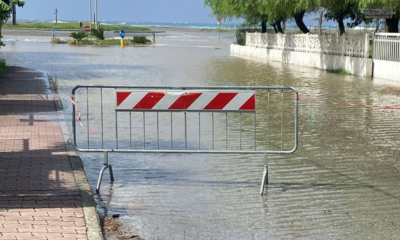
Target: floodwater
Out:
[343,183]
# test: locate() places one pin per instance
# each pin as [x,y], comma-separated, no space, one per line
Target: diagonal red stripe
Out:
[121,96]
[149,101]
[250,104]
[220,101]
[185,100]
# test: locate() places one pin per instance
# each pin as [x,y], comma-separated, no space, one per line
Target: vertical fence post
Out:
[343,45]
[373,46]
[366,48]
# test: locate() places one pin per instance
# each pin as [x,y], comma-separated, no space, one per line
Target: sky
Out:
[153,11]
[192,11]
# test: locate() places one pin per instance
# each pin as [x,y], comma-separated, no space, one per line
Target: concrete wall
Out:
[387,70]
[356,66]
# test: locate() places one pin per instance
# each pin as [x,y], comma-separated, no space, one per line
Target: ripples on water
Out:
[341,184]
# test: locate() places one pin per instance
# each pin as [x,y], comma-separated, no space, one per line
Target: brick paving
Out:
[39,197]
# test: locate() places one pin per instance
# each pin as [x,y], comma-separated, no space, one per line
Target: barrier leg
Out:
[265,175]
[264,180]
[111,173]
[106,165]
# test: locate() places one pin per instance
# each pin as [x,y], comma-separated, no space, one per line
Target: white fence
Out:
[387,47]
[332,44]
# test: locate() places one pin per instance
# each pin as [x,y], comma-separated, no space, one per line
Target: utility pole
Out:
[56,13]
[90,14]
[14,10]
[219,20]
[97,17]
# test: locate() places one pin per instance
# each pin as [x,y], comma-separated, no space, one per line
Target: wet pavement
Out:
[341,184]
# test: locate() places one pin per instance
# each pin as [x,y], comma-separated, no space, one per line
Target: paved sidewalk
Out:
[39,197]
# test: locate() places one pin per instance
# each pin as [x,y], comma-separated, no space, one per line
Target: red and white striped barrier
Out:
[196,100]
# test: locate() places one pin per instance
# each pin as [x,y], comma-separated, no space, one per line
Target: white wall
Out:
[354,65]
[387,70]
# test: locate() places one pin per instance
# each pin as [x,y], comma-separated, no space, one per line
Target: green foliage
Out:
[274,11]
[1,42]
[2,66]
[140,40]
[78,36]
[4,6]
[98,33]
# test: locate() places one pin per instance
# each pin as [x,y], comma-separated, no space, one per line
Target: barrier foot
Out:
[101,176]
[264,180]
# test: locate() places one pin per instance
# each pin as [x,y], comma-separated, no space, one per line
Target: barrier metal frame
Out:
[106,152]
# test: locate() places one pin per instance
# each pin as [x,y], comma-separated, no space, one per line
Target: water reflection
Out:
[343,183]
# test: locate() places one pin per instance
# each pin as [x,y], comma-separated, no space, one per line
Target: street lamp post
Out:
[96,20]
[90,13]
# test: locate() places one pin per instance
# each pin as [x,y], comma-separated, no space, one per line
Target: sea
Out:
[211,25]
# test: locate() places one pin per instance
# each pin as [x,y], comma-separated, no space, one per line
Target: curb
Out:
[92,220]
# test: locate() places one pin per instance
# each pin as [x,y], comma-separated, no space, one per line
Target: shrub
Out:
[58,41]
[140,40]
[98,33]
[78,36]
[2,66]
[240,37]
[1,42]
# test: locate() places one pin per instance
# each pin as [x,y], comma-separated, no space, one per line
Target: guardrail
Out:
[201,120]
[387,47]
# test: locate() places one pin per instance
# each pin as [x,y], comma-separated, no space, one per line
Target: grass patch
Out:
[56,40]
[71,27]
[2,66]
[339,71]
[371,49]
[216,30]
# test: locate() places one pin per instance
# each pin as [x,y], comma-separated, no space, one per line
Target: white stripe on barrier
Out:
[193,100]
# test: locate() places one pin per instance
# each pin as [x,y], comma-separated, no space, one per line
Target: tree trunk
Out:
[321,16]
[393,24]
[274,26]
[341,26]
[1,25]
[279,26]
[264,26]
[298,17]
[377,25]
[14,14]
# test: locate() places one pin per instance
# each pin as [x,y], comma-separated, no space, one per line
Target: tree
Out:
[6,9]
[259,11]
[340,10]
[393,22]
[253,11]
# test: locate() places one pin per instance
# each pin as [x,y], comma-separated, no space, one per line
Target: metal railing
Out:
[387,47]
[142,119]
[356,45]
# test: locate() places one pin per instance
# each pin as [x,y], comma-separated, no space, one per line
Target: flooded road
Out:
[343,183]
